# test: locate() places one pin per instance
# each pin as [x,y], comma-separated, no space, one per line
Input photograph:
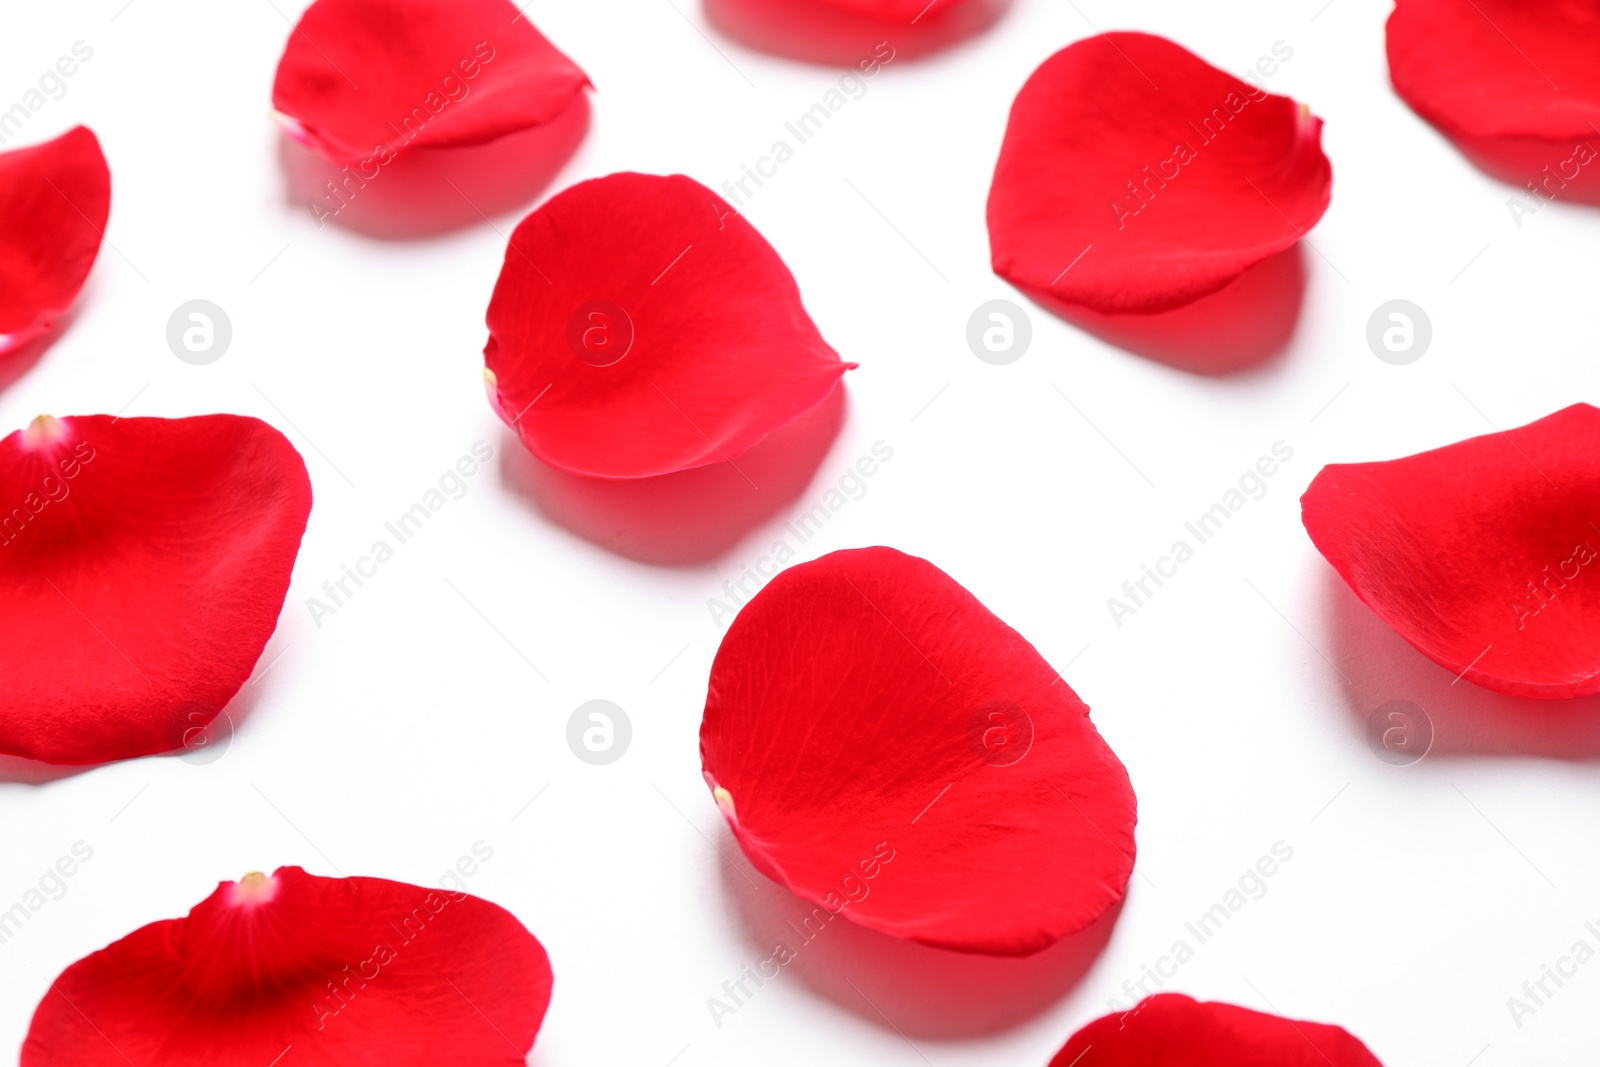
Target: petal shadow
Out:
[1377,665]
[199,746]
[1241,327]
[1552,166]
[17,362]
[917,990]
[425,192]
[689,517]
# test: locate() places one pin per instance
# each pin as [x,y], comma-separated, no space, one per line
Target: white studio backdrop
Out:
[428,716]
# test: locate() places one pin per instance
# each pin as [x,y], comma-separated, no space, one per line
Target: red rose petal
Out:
[143,564]
[439,74]
[340,970]
[1515,85]
[886,747]
[1234,176]
[1171,1030]
[860,36]
[894,10]
[1482,554]
[54,202]
[641,326]
[1498,68]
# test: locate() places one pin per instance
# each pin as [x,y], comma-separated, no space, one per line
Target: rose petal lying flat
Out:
[1482,554]
[361,79]
[887,748]
[899,11]
[54,202]
[641,326]
[331,971]
[1170,1030]
[1499,68]
[143,563]
[1119,196]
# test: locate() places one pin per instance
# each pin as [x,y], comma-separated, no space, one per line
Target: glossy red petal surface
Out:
[887,748]
[641,326]
[361,79]
[143,564]
[54,202]
[1482,554]
[1499,68]
[1171,1030]
[328,971]
[1119,196]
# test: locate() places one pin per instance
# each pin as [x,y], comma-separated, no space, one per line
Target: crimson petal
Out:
[887,748]
[438,74]
[1175,1031]
[1121,197]
[1481,553]
[54,202]
[1514,85]
[641,326]
[900,11]
[340,970]
[143,564]
[1499,68]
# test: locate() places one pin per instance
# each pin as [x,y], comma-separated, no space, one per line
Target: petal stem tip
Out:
[43,432]
[254,888]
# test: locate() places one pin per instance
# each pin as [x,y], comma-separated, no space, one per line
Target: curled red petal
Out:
[1173,1030]
[641,326]
[887,748]
[54,202]
[1482,554]
[340,970]
[1499,68]
[1119,196]
[143,564]
[361,79]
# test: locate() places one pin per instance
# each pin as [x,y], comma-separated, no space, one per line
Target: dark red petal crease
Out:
[330,971]
[54,202]
[641,326]
[143,564]
[888,749]
[362,79]
[1171,1030]
[1136,178]
[1483,554]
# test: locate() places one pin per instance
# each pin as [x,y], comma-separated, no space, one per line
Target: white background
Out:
[408,727]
